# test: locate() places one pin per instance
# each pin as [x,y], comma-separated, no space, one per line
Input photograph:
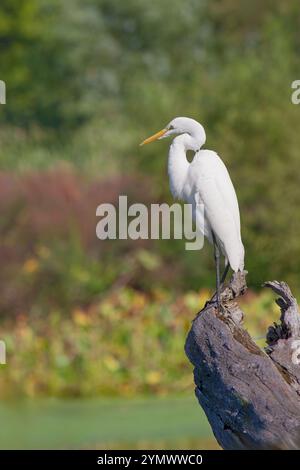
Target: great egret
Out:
[205,181]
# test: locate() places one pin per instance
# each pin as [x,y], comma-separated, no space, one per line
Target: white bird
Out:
[205,181]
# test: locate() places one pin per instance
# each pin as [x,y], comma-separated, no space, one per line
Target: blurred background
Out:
[95,330]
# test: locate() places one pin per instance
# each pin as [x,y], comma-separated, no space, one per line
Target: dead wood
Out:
[251,396]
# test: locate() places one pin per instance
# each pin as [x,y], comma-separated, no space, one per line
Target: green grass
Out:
[133,423]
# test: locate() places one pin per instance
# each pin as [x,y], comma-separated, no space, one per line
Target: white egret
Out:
[205,181]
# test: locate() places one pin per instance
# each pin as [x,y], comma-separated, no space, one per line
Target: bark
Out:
[251,396]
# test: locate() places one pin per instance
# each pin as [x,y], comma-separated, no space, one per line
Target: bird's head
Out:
[181,125]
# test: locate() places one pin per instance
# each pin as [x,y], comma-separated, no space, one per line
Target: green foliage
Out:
[113,72]
[86,82]
[127,344]
[39,80]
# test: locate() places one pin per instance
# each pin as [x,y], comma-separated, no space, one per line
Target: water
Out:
[100,423]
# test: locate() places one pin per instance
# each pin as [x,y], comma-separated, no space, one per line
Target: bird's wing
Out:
[215,190]
[202,224]
[227,191]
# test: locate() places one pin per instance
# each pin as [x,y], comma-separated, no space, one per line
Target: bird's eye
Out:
[171,128]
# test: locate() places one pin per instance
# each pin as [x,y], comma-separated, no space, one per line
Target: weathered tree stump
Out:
[251,396]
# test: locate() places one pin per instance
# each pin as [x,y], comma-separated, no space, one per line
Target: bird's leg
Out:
[221,281]
[224,274]
[217,265]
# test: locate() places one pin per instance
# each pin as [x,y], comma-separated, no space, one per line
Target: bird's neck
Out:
[178,165]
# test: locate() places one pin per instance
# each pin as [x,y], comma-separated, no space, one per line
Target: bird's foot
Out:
[213,302]
[210,302]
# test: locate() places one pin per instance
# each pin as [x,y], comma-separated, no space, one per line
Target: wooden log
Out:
[251,396]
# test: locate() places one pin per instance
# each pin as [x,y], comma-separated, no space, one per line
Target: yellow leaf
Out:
[153,377]
[81,318]
[111,363]
[31,266]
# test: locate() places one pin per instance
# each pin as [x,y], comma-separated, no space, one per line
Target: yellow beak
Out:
[154,137]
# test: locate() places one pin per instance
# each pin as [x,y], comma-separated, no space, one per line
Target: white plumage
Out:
[211,185]
[204,181]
